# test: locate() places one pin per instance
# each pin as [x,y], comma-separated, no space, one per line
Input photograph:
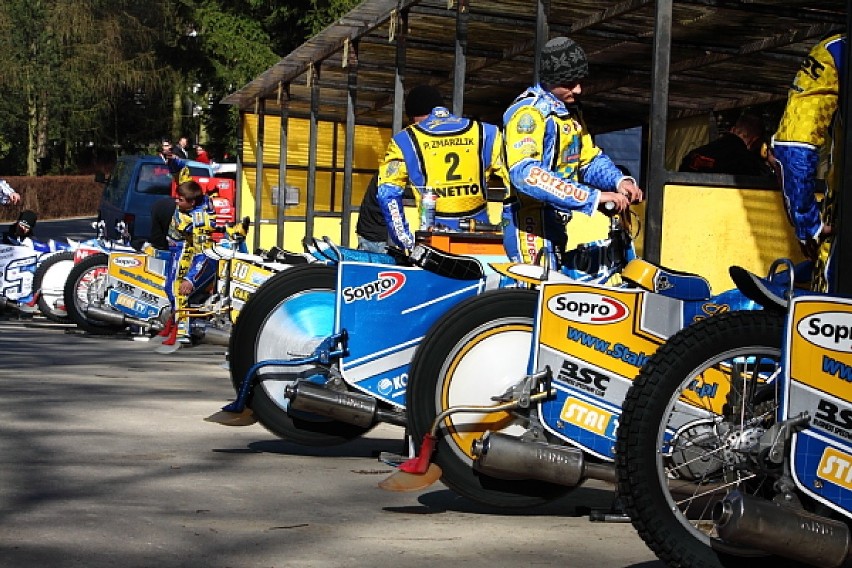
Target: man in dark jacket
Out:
[371,228]
[735,152]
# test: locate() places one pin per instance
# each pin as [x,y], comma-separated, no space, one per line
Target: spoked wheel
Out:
[84,285]
[476,351]
[49,282]
[287,318]
[689,435]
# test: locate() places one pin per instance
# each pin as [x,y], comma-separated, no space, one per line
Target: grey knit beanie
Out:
[562,61]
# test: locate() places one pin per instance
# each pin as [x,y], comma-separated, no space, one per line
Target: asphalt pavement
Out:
[109,462]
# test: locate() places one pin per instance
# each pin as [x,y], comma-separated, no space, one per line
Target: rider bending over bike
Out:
[188,270]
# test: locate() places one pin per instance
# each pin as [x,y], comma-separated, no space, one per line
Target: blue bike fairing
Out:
[386,310]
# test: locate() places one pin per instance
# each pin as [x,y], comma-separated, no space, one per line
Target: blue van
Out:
[135,184]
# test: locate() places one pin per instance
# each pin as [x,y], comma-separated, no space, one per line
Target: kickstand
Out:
[615,513]
[395,460]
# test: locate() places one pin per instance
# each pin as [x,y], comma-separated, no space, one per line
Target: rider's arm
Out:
[497,165]
[393,177]
[527,139]
[7,194]
[802,131]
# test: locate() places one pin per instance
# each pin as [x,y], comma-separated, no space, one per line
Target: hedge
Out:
[54,197]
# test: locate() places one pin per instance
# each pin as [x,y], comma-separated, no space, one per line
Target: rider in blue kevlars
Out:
[809,123]
[454,156]
[554,166]
[189,269]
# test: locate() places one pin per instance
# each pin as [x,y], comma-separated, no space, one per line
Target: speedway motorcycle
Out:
[20,278]
[107,293]
[517,394]
[321,354]
[736,441]
[52,272]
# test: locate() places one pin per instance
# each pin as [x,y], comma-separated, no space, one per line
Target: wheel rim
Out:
[293,330]
[89,286]
[53,285]
[710,425]
[491,352]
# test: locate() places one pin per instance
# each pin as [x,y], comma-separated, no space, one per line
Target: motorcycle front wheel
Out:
[476,351]
[49,282]
[688,431]
[85,285]
[286,319]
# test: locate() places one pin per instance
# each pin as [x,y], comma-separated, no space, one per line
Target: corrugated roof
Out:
[725,54]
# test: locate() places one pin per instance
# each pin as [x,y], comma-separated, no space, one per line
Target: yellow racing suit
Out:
[811,122]
[555,169]
[454,156]
[189,235]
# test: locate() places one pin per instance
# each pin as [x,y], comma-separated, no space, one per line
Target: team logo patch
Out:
[526,124]
[829,330]
[392,168]
[588,308]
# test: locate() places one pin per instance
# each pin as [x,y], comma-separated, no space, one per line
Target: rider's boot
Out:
[167,331]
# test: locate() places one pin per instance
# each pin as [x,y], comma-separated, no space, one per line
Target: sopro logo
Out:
[127,262]
[586,307]
[387,284]
[829,330]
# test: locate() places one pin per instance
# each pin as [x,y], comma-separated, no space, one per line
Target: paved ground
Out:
[108,462]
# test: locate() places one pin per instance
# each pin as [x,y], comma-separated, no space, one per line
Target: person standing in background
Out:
[181,149]
[371,229]
[451,155]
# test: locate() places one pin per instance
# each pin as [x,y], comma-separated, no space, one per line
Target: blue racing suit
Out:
[454,156]
[809,123]
[555,169]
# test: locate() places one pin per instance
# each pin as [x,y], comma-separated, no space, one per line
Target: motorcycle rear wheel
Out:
[82,286]
[49,281]
[286,318]
[679,420]
[475,351]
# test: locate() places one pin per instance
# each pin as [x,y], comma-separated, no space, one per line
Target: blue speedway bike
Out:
[321,353]
[735,447]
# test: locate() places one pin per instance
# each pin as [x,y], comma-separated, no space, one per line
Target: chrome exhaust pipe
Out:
[507,457]
[783,531]
[216,336]
[352,408]
[118,318]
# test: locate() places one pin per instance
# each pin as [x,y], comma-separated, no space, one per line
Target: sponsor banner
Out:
[819,345]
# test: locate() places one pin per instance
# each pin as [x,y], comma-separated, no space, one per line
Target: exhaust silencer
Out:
[507,457]
[118,318]
[783,531]
[352,408]
[109,316]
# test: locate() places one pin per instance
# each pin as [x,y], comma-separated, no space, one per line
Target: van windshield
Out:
[154,179]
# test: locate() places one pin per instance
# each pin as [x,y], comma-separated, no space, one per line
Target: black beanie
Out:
[421,100]
[562,61]
[28,219]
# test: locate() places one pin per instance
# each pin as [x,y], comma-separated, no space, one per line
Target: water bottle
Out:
[428,204]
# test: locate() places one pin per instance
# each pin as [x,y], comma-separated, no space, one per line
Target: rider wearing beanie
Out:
[452,155]
[554,166]
[21,230]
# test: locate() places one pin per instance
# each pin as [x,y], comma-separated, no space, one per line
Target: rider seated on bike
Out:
[189,269]
[21,231]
